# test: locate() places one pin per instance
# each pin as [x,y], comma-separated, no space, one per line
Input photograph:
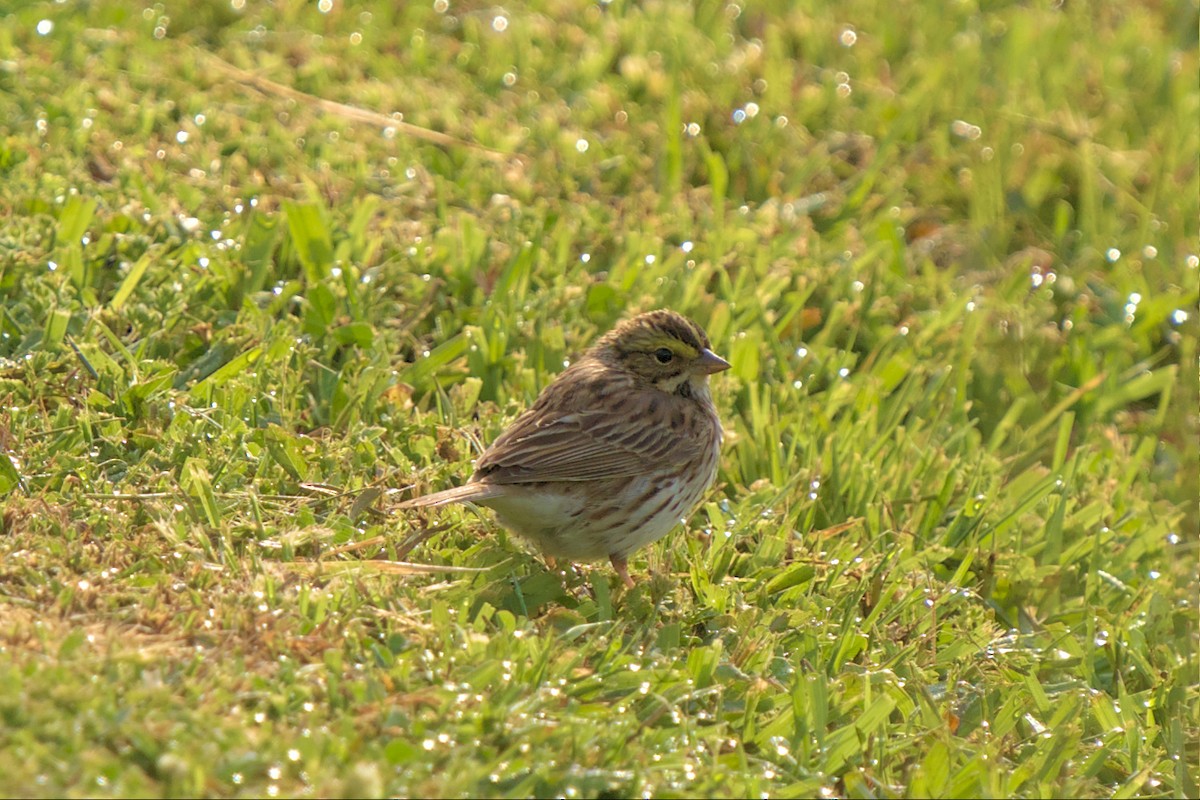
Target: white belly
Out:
[582,522]
[597,519]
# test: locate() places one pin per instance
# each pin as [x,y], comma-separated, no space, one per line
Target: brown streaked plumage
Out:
[613,453]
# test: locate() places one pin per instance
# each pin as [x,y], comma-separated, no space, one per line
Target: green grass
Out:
[953,258]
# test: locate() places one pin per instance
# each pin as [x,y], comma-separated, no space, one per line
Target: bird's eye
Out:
[664,355]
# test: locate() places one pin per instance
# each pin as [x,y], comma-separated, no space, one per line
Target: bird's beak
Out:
[710,362]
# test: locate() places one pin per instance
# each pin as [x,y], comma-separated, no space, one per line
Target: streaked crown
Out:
[655,328]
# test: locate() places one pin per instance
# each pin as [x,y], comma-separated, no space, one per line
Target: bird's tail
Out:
[467,493]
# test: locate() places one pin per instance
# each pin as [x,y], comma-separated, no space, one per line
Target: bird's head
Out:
[663,349]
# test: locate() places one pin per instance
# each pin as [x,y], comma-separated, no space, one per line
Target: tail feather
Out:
[467,493]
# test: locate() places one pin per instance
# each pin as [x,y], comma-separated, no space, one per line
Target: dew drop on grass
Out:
[965,130]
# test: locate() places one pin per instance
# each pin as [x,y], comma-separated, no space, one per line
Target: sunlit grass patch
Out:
[950,252]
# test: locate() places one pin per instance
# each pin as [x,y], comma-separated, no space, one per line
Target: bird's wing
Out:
[580,445]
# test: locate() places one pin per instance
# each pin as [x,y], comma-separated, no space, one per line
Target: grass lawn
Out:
[268,269]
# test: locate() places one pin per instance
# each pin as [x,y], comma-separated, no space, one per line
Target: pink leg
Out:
[622,570]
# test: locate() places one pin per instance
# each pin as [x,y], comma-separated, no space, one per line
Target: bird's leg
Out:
[621,566]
